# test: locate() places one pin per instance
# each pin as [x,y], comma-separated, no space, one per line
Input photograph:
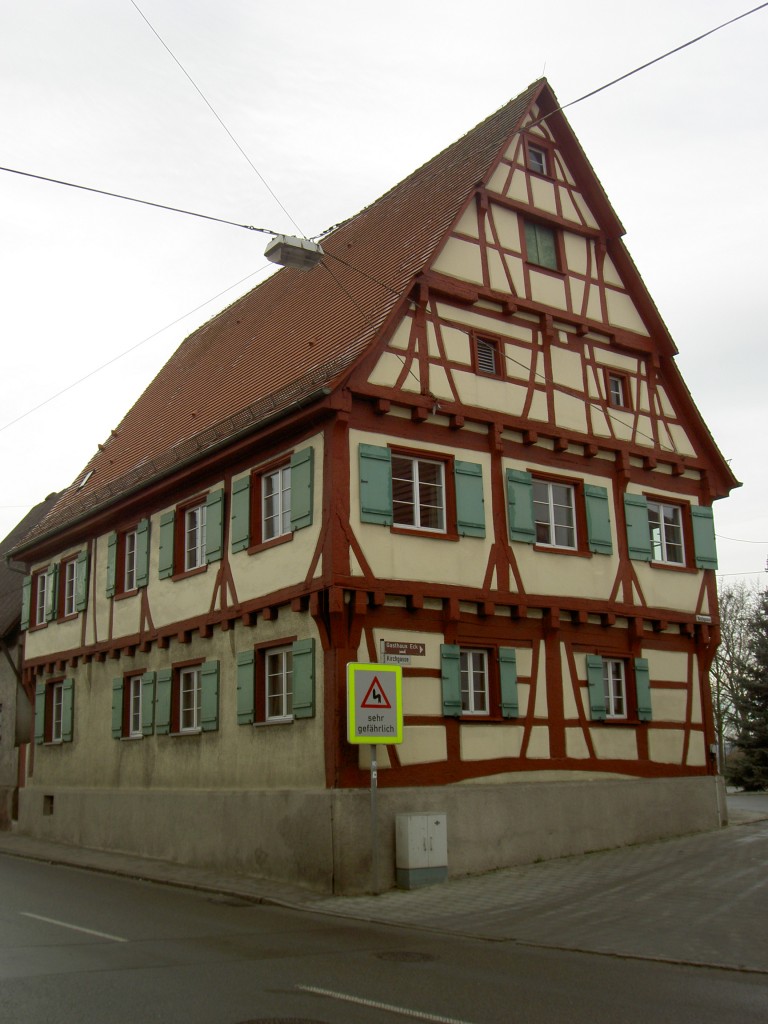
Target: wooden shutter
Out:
[598,519]
[246,661]
[702,518]
[520,506]
[450,679]
[26,601]
[302,488]
[111,565]
[67,710]
[81,582]
[303,652]
[596,687]
[142,553]
[643,689]
[638,530]
[470,505]
[240,523]
[40,695]
[52,593]
[214,526]
[167,527]
[508,680]
[148,681]
[375,484]
[163,701]
[117,707]
[209,680]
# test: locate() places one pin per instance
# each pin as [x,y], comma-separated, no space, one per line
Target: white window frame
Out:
[276,503]
[130,563]
[617,391]
[41,593]
[662,538]
[475,696]
[190,685]
[133,685]
[278,684]
[548,521]
[418,490]
[57,712]
[539,151]
[194,537]
[615,687]
[70,587]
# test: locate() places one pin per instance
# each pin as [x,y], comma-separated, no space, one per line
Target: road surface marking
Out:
[380,1006]
[74,927]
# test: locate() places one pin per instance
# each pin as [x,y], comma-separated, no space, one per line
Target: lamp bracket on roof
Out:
[299,253]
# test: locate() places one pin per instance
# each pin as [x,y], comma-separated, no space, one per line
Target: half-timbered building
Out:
[462,439]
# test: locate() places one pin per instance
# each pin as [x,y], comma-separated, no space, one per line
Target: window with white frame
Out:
[190,699]
[554,510]
[665,523]
[278,679]
[617,391]
[474,681]
[276,503]
[129,560]
[133,684]
[39,597]
[418,493]
[537,159]
[57,712]
[70,587]
[615,688]
[194,537]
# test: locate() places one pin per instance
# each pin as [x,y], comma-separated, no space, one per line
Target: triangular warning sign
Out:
[376,697]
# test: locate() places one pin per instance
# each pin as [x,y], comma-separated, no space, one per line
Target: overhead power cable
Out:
[207,102]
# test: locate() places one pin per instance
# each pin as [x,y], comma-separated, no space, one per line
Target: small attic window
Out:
[537,159]
[85,479]
[487,357]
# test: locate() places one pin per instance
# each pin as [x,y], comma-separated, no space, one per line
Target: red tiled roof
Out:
[294,333]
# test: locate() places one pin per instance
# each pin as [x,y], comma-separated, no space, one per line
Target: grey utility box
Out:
[421,849]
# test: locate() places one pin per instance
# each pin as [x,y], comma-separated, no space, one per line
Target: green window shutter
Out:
[596,687]
[245,687]
[704,545]
[167,527]
[598,519]
[81,578]
[302,488]
[209,678]
[508,679]
[240,525]
[148,703]
[163,701]
[26,598]
[643,689]
[303,678]
[111,565]
[142,553]
[39,712]
[638,530]
[67,710]
[470,505]
[375,484]
[214,526]
[52,593]
[450,679]
[117,707]
[520,506]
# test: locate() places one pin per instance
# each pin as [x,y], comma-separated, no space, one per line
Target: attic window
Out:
[487,357]
[85,479]
[537,159]
[541,245]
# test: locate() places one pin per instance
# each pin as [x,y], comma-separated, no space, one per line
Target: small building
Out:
[464,437]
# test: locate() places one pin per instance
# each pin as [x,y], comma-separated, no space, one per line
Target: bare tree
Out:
[738,605]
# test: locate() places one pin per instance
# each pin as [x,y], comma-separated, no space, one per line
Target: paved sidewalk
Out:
[700,899]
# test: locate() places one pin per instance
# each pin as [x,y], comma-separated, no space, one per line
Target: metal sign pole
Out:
[374,823]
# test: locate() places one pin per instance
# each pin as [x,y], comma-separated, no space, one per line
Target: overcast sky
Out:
[333,103]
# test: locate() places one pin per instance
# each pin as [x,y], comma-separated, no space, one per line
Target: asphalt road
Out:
[78,947]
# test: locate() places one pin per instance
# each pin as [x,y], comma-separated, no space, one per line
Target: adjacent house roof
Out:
[10,581]
[296,334]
